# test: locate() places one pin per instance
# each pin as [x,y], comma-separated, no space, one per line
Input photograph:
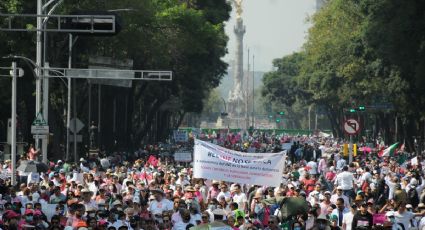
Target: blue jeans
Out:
[349,193]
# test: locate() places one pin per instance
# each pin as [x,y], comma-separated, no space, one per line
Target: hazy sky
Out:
[274,28]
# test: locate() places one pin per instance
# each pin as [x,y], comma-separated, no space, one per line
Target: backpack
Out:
[413,197]
[273,208]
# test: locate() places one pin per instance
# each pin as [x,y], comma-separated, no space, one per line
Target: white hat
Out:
[389,213]
[409,206]
[82,159]
[339,187]
[219,211]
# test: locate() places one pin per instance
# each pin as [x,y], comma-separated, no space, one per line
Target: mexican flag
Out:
[388,151]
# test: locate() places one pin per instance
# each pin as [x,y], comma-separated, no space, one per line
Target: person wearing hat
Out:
[339,194]
[87,201]
[11,219]
[182,178]
[325,202]
[321,223]
[213,191]
[28,218]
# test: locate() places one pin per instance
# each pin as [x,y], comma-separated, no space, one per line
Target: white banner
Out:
[218,163]
[180,136]
[183,156]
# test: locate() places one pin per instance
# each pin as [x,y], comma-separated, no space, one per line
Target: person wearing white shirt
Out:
[160,204]
[404,217]
[347,182]
[312,167]
[366,176]
[339,194]
[391,182]
[224,192]
[182,180]
[347,220]
[240,198]
[340,211]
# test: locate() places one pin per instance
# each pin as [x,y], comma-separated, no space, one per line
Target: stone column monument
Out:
[236,102]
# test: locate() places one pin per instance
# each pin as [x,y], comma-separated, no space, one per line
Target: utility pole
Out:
[253,95]
[38,69]
[68,110]
[246,95]
[13,118]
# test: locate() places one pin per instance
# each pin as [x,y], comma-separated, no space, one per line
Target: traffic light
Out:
[270,116]
[362,108]
[281,113]
[277,120]
[352,110]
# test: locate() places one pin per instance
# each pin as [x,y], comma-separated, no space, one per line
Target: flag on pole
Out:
[401,148]
[388,151]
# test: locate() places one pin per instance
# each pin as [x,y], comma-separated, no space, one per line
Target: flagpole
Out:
[350,156]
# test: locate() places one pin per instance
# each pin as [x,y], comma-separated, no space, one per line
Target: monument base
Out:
[93,153]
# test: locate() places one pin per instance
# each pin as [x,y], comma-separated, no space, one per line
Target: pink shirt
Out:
[213,193]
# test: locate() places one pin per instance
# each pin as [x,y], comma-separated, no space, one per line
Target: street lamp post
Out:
[13,118]
[14,73]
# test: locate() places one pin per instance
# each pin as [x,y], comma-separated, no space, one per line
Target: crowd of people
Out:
[148,190]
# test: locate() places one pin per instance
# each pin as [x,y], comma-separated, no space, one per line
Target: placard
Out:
[218,163]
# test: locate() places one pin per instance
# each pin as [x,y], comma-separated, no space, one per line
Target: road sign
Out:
[40,136]
[78,125]
[39,129]
[79,138]
[351,126]
[39,120]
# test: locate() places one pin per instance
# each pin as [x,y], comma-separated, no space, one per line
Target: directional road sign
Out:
[40,136]
[351,126]
[78,125]
[39,129]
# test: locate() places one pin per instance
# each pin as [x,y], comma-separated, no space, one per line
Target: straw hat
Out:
[189,189]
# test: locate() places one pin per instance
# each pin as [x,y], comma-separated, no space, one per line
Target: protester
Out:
[148,190]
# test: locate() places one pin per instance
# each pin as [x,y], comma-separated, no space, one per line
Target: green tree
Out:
[186,37]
